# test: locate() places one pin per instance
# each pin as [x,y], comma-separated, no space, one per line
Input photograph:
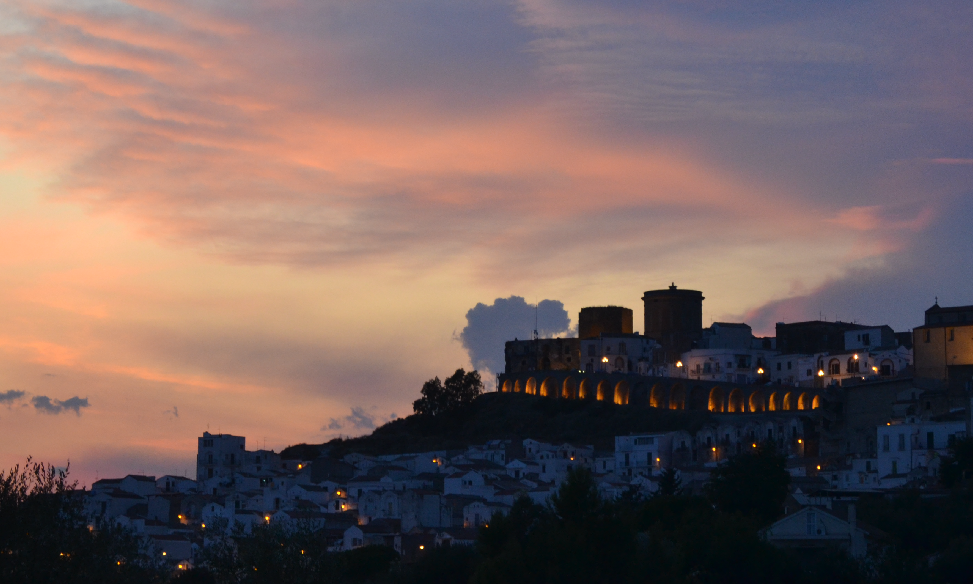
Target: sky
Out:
[277,219]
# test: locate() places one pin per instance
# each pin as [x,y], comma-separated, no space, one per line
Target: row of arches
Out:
[718,399]
[603,390]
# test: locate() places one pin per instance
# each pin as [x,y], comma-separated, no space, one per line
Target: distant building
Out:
[219,456]
[819,336]
[617,353]
[541,355]
[904,449]
[674,318]
[595,321]
[943,345]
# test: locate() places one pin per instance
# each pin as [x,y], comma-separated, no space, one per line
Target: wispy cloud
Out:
[42,403]
[10,396]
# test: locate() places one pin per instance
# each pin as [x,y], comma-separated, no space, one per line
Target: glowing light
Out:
[678,363]
[760,371]
[422,547]
[604,359]
[820,372]
[203,526]
[714,449]
[856,357]
[267,517]
[300,466]
[819,467]
[163,553]
[754,444]
[875,369]
[799,441]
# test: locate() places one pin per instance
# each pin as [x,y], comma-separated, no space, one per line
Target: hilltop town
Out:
[854,409]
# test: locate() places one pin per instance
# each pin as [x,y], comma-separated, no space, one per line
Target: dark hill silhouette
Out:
[508,416]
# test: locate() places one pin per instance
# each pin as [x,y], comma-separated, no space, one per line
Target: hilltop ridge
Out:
[499,416]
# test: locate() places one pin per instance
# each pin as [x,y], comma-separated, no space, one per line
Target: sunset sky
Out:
[271,219]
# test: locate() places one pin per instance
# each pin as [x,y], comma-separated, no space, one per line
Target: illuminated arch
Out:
[585,391]
[773,402]
[569,390]
[715,399]
[531,386]
[657,397]
[788,401]
[735,403]
[508,386]
[518,386]
[816,402]
[548,388]
[677,397]
[802,402]
[757,403]
[621,393]
[697,399]
[604,391]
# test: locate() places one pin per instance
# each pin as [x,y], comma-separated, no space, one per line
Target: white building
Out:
[219,455]
[903,448]
[743,366]
[638,454]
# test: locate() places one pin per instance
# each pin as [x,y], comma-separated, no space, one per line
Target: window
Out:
[930,440]
[778,366]
[901,442]
[885,443]
[608,349]
[788,365]
[926,336]
[866,340]
[707,367]
[642,441]
[895,467]
[808,374]
[621,349]
[952,334]
[834,367]
[868,466]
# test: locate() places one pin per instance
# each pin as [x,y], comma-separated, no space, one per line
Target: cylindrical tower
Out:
[595,320]
[674,318]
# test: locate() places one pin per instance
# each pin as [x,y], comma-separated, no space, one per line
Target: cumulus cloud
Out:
[358,419]
[490,326]
[10,396]
[42,403]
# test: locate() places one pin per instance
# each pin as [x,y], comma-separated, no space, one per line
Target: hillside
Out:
[509,416]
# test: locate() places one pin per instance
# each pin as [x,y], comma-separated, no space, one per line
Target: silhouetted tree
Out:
[670,485]
[44,536]
[753,483]
[459,389]
[957,468]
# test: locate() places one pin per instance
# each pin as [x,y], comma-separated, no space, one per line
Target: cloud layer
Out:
[277,213]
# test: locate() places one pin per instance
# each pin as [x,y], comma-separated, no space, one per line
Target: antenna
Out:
[536,335]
